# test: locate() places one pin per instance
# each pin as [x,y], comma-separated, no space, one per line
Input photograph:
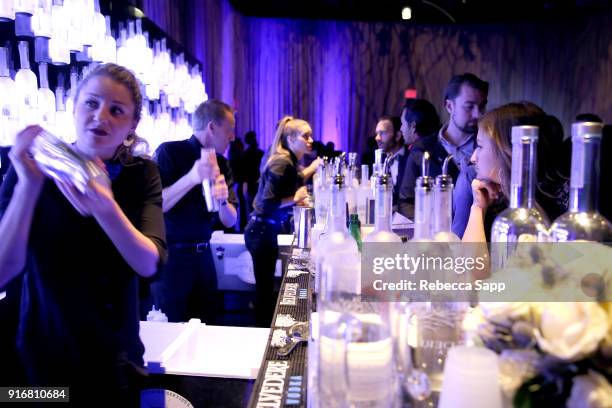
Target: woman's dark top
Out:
[280,179]
[79,315]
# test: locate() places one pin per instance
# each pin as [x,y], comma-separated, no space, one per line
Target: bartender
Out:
[187,287]
[281,186]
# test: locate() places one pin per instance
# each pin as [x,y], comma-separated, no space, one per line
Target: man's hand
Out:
[220,191]
[203,169]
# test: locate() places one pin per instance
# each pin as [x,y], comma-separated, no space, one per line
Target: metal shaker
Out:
[212,205]
[304,239]
[60,161]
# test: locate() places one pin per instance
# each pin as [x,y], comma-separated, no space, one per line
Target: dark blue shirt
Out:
[280,179]
[188,222]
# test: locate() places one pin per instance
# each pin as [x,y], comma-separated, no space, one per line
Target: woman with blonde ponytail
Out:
[281,186]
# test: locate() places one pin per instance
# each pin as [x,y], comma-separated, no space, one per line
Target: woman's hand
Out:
[22,160]
[301,196]
[484,192]
[98,200]
[315,164]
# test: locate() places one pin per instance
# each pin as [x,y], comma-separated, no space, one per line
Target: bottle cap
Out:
[524,134]
[587,130]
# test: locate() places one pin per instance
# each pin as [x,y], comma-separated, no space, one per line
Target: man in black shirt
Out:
[188,285]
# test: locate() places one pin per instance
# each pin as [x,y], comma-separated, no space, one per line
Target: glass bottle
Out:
[9,109]
[41,20]
[58,43]
[355,229]
[27,89]
[363,193]
[383,204]
[46,98]
[583,221]
[75,10]
[321,195]
[355,348]
[352,184]
[336,241]
[110,44]
[23,6]
[423,203]
[443,206]
[123,52]
[7,11]
[522,221]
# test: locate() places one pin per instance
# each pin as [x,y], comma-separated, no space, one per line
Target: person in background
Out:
[420,126]
[492,160]
[390,139]
[280,188]
[367,157]
[83,253]
[236,158]
[465,100]
[252,162]
[187,286]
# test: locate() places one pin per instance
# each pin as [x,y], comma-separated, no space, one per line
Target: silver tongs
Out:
[60,161]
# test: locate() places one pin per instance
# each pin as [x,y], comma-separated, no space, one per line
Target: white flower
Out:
[590,391]
[504,312]
[570,331]
[516,367]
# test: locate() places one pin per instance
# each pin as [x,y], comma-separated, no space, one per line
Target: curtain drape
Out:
[341,76]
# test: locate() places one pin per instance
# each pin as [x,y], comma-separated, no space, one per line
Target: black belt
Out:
[198,247]
[263,219]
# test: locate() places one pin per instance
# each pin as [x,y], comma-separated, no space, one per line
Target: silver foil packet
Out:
[59,160]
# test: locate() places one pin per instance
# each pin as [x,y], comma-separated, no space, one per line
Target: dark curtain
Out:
[340,76]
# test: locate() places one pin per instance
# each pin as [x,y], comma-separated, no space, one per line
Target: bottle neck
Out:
[422,213]
[337,209]
[584,182]
[443,209]
[383,204]
[523,177]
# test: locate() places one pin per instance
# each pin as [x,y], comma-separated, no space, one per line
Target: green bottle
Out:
[355,229]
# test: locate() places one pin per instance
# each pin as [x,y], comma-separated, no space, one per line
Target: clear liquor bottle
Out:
[363,193]
[423,203]
[522,221]
[583,221]
[336,242]
[46,98]
[352,184]
[382,213]
[9,109]
[443,206]
[27,88]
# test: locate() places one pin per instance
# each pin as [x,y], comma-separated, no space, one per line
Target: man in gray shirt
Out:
[465,100]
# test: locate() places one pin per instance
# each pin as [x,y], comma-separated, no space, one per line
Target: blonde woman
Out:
[281,186]
[81,254]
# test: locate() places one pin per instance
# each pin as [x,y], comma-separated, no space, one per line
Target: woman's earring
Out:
[127,142]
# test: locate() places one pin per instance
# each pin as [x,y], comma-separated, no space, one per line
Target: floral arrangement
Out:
[552,353]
